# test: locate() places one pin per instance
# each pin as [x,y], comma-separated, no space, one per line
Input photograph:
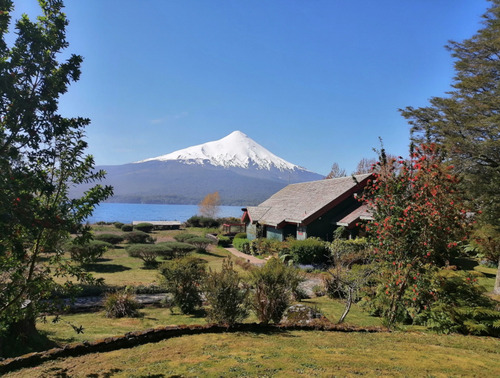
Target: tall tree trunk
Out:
[496,288]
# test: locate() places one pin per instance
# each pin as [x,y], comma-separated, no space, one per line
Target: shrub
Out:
[200,243]
[127,228]
[224,296]
[109,238]
[146,252]
[182,278]
[136,237]
[203,222]
[118,225]
[184,236]
[309,251]
[242,245]
[240,235]
[273,284]
[173,249]
[120,305]
[144,227]
[263,246]
[224,241]
[87,253]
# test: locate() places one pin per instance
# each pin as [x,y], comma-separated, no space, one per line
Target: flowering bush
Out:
[419,219]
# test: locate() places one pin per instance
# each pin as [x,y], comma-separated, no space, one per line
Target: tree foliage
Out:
[41,155]
[210,205]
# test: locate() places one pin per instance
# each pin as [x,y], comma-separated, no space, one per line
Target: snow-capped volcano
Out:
[241,170]
[235,150]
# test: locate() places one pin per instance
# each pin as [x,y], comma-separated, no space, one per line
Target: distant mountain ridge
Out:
[241,170]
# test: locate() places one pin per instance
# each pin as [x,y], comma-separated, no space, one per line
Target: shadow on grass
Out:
[106,268]
[208,253]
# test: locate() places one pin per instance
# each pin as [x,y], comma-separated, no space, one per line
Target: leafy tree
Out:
[225,295]
[210,205]
[419,217]
[466,123]
[336,171]
[183,278]
[42,154]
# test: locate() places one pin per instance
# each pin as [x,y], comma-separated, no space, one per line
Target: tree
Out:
[419,218]
[365,165]
[336,171]
[210,205]
[466,123]
[41,155]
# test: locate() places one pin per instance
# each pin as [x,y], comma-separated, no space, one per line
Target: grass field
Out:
[295,353]
[298,353]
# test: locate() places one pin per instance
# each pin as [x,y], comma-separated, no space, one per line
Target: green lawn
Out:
[289,354]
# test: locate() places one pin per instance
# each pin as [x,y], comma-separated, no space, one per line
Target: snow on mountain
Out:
[235,150]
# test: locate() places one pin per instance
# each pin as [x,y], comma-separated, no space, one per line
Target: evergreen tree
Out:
[41,155]
[467,121]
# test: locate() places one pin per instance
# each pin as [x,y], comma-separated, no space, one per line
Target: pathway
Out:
[251,259]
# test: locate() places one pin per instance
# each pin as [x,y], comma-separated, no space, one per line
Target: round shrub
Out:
[175,249]
[240,235]
[203,222]
[87,253]
[184,236]
[224,241]
[127,228]
[139,237]
[146,252]
[309,251]
[109,238]
[118,225]
[144,227]
[242,245]
[200,243]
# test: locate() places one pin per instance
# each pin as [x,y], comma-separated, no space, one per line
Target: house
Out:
[309,209]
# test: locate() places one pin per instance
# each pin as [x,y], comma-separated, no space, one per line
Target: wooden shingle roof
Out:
[302,203]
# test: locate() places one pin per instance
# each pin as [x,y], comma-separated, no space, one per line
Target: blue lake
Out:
[128,212]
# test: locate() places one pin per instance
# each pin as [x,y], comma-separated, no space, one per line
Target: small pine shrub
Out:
[201,243]
[144,227]
[127,228]
[109,238]
[136,237]
[184,236]
[171,249]
[87,253]
[146,252]
[118,225]
[120,305]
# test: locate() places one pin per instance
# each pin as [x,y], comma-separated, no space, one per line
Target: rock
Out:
[300,314]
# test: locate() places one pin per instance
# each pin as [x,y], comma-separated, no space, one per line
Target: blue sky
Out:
[314,81]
